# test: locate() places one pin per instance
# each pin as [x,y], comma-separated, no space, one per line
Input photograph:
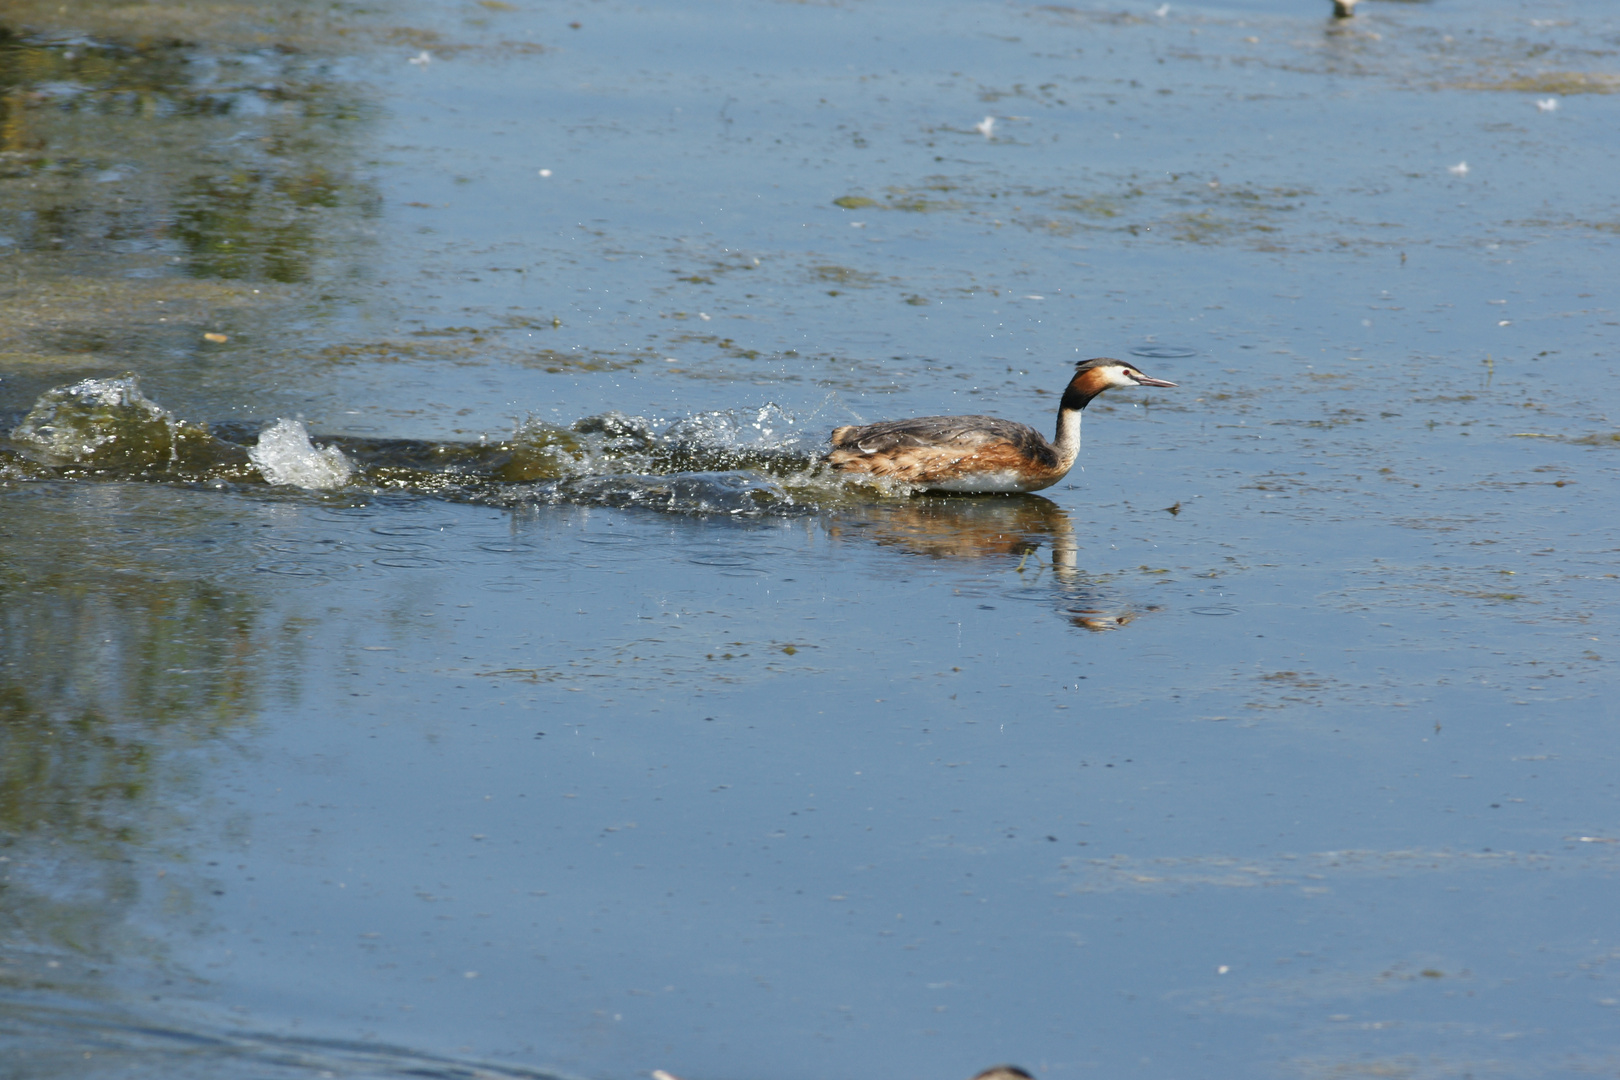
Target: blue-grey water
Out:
[556,714]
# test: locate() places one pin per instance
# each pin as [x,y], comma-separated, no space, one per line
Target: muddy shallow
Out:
[556,713]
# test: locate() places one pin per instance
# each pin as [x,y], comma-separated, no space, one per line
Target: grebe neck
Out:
[1067,443]
[1085,385]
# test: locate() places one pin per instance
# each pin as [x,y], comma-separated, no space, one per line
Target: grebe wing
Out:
[955,432]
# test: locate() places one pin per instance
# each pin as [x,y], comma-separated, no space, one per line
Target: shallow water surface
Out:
[432,646]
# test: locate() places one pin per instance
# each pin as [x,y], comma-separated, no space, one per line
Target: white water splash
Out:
[99,419]
[285,455]
[769,427]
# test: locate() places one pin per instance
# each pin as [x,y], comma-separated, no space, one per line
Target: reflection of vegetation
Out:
[253,224]
[89,697]
[99,123]
[167,141]
[114,669]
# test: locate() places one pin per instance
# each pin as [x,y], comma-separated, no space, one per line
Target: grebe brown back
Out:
[981,454]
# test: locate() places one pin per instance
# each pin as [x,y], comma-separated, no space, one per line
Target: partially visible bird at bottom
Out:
[1004,1072]
[995,1072]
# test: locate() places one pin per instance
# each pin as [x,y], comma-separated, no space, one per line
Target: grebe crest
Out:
[980,454]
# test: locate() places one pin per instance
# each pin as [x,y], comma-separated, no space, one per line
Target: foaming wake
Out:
[758,461]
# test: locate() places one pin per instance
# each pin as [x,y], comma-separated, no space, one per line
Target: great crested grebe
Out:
[980,454]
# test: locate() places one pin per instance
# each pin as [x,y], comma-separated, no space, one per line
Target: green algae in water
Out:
[1201,228]
[844,275]
[899,198]
[1564,83]
[917,204]
[1096,206]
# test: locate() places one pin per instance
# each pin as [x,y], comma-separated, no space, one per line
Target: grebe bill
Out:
[980,454]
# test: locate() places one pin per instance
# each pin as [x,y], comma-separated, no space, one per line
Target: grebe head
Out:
[1117,373]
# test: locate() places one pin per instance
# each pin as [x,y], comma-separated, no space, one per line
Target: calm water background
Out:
[1279,741]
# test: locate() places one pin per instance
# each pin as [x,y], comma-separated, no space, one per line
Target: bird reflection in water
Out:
[991,527]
